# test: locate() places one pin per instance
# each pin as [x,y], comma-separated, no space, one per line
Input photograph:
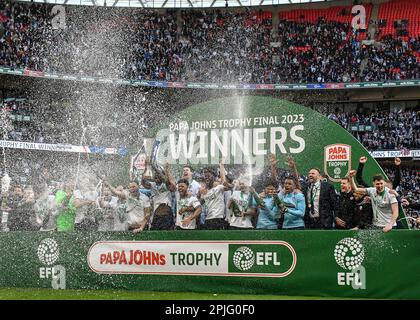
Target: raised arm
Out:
[292,165]
[170,180]
[80,202]
[273,169]
[119,194]
[359,174]
[354,187]
[397,177]
[222,171]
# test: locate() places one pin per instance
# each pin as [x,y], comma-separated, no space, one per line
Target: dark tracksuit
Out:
[346,210]
[364,214]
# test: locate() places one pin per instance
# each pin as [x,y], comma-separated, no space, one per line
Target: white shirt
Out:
[81,212]
[381,206]
[120,216]
[193,187]
[183,203]
[315,195]
[214,200]
[46,212]
[106,223]
[228,212]
[161,195]
[242,199]
[135,208]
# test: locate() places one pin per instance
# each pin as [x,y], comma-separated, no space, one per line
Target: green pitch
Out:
[50,294]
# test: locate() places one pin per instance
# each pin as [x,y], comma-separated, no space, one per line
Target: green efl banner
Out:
[362,264]
[244,130]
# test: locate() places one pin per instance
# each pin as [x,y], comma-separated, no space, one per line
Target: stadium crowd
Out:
[389,130]
[206,46]
[315,53]
[392,59]
[48,123]
[211,198]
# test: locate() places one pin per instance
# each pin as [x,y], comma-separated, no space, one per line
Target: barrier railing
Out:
[200,85]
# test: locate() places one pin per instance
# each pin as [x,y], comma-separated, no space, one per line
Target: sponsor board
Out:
[200,258]
[250,86]
[229,86]
[373,84]
[264,86]
[337,161]
[176,84]
[356,85]
[395,153]
[61,147]
[33,73]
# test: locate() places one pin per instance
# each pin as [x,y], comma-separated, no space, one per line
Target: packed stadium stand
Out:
[243,46]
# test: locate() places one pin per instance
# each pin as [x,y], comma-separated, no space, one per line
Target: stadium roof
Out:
[172,3]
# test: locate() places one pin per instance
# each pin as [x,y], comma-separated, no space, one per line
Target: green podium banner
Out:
[357,264]
[245,130]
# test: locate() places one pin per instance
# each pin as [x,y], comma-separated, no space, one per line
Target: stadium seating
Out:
[339,14]
[399,10]
[312,45]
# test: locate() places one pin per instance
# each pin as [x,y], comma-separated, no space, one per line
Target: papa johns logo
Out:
[48,251]
[243,258]
[337,160]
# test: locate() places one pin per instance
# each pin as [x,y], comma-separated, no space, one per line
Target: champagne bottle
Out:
[281,205]
[258,200]
[235,209]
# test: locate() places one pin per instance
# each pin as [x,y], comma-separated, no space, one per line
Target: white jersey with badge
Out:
[135,208]
[228,212]
[242,200]
[106,223]
[184,203]
[193,187]
[381,206]
[214,200]
[161,195]
[81,212]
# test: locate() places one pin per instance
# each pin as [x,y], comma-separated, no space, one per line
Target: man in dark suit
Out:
[321,201]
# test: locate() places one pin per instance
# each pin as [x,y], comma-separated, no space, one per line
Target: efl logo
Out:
[349,254]
[279,260]
[337,161]
[212,258]
[48,254]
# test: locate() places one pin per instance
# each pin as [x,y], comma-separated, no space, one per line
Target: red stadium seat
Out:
[330,14]
[400,10]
